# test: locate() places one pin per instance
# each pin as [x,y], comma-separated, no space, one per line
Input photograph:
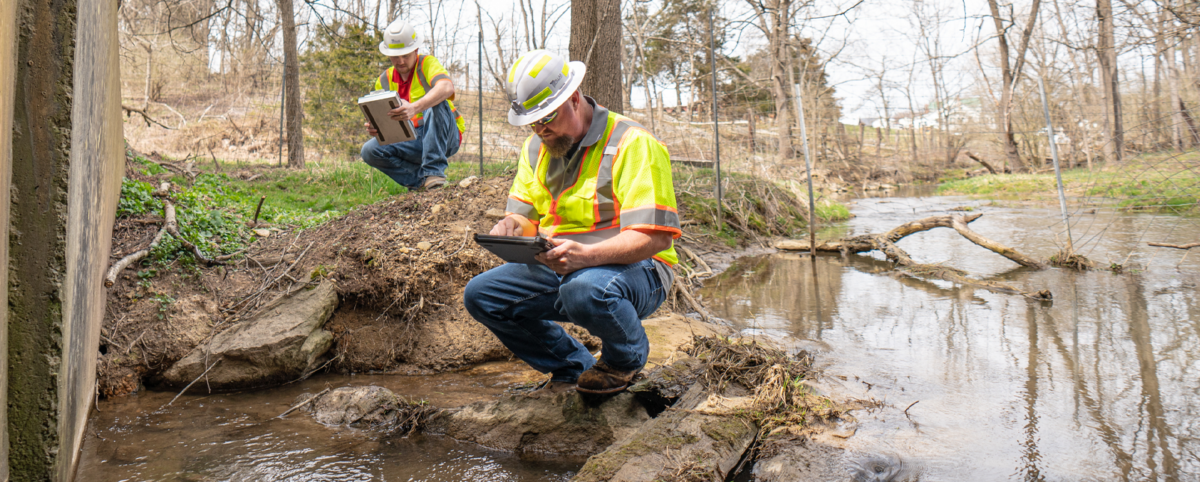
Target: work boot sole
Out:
[604,391]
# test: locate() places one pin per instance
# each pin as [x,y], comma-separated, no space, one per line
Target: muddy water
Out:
[1100,385]
[236,437]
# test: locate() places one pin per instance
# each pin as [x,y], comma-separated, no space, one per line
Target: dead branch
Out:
[145,116]
[301,404]
[185,389]
[981,161]
[886,243]
[172,227]
[136,256]
[959,224]
[1176,246]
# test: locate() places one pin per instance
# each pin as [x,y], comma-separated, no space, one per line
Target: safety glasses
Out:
[545,120]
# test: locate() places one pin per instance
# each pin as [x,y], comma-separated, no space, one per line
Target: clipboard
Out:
[375,107]
[515,249]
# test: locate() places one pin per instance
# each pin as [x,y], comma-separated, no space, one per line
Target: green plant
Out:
[164,302]
[136,199]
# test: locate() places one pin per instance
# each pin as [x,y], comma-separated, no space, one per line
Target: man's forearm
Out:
[629,247]
[438,93]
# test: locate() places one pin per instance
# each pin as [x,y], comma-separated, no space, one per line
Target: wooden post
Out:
[750,122]
[8,68]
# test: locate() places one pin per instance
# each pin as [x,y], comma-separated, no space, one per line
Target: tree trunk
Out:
[1010,74]
[596,41]
[291,85]
[1107,54]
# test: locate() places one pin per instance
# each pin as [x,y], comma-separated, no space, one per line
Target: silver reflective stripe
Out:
[533,152]
[439,77]
[591,237]
[421,73]
[517,207]
[650,215]
[606,208]
[384,83]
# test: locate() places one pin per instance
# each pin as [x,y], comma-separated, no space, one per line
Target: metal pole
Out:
[812,206]
[282,91]
[1062,197]
[712,57]
[480,99]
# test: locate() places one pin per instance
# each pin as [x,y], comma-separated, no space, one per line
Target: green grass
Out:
[1163,182]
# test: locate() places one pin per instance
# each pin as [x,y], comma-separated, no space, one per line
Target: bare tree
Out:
[1106,51]
[1010,71]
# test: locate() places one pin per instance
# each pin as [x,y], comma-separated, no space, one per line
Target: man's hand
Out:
[404,112]
[567,256]
[370,130]
[509,226]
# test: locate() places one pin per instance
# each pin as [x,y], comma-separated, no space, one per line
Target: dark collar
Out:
[599,123]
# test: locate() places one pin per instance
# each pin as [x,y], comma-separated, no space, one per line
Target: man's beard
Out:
[557,146]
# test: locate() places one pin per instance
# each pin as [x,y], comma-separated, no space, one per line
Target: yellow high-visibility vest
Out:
[429,72]
[621,180]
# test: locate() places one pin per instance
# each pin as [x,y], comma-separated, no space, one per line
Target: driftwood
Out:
[886,243]
[1176,246]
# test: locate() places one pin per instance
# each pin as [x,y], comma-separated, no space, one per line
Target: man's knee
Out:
[473,295]
[583,295]
[368,152]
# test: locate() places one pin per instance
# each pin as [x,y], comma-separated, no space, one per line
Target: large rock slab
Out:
[701,438]
[566,424]
[278,345]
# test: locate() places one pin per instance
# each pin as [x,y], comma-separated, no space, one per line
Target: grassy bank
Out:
[1158,182]
[753,207]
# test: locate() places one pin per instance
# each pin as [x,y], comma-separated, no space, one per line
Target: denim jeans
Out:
[410,162]
[520,304]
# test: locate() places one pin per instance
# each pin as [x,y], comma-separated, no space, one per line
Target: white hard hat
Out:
[400,38]
[538,83]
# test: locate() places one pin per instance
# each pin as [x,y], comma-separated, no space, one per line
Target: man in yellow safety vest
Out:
[420,163]
[599,185]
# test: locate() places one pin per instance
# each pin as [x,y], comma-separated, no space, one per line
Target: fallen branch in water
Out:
[185,389]
[886,243]
[1176,246]
[301,404]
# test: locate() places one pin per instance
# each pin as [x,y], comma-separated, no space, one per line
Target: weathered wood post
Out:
[66,162]
[8,64]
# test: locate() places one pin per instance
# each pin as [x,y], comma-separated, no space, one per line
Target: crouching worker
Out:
[599,185]
[420,163]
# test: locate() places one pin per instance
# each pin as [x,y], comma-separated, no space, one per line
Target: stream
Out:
[1097,385]
[1094,386]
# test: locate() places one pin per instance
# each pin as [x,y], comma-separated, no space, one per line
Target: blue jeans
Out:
[410,162]
[520,304]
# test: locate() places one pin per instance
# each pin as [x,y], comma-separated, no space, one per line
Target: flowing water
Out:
[1098,385]
[1095,386]
[237,437]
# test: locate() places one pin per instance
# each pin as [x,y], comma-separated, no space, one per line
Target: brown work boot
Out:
[433,182]
[551,390]
[602,379]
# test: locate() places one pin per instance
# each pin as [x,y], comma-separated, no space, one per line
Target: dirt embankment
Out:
[400,267]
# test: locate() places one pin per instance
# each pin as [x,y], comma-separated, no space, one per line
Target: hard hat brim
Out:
[576,71]
[383,49]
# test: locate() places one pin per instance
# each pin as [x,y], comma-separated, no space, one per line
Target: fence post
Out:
[282,91]
[712,57]
[480,100]
[1062,197]
[812,205]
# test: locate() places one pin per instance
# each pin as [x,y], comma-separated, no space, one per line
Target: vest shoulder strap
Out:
[420,68]
[384,82]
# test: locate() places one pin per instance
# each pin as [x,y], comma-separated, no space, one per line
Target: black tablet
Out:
[515,249]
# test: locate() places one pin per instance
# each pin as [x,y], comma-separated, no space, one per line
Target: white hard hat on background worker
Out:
[400,38]
[538,83]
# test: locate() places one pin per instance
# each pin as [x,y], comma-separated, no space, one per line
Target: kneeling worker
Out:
[600,186]
[420,163]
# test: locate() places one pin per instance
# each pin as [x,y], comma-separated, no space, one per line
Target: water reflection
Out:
[236,437]
[1096,386]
